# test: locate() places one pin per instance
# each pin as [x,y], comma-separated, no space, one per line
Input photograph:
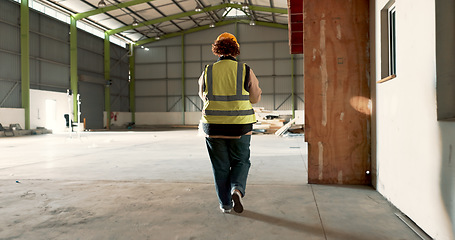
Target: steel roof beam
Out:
[183,10]
[164,15]
[109,15]
[273,14]
[252,12]
[79,16]
[190,13]
[218,24]
[208,12]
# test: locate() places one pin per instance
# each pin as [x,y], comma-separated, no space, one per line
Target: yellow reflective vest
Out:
[227,101]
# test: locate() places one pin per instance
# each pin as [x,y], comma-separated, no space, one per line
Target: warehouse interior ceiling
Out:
[139,20]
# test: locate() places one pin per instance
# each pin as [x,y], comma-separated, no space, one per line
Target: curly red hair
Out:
[225,47]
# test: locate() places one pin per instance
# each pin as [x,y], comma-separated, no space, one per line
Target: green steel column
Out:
[73,65]
[132,84]
[293,87]
[25,61]
[107,77]
[183,78]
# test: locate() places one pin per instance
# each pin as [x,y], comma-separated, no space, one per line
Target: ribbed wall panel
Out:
[9,11]
[54,50]
[193,69]
[283,102]
[191,86]
[119,89]
[174,87]
[192,53]
[34,24]
[266,84]
[10,37]
[254,51]
[54,28]
[92,106]
[54,75]
[10,66]
[34,45]
[35,72]
[266,102]
[151,104]
[89,42]
[174,54]
[193,103]
[299,86]
[282,67]
[283,84]
[153,71]
[174,104]
[90,61]
[174,70]
[261,67]
[10,95]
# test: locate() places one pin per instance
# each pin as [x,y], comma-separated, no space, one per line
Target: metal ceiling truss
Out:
[164,15]
[218,24]
[79,16]
[206,10]
[109,15]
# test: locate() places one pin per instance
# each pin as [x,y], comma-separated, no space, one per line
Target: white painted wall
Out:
[414,151]
[38,109]
[11,116]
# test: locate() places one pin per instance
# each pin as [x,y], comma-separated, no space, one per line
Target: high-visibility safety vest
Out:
[227,101]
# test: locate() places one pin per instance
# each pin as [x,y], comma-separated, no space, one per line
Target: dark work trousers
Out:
[230,163]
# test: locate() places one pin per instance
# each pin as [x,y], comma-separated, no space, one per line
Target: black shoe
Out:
[237,198]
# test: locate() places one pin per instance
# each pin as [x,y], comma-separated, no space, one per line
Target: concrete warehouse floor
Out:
[158,185]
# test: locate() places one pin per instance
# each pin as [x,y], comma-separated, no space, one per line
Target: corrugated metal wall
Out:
[50,64]
[10,72]
[91,78]
[49,53]
[265,50]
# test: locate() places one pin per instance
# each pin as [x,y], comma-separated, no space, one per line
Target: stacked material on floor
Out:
[15,130]
[276,122]
[268,122]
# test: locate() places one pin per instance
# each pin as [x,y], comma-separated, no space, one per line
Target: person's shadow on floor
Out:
[317,230]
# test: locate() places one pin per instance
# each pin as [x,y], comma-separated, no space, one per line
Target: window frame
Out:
[388,42]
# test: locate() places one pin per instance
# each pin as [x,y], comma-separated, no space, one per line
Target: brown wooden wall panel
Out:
[336,73]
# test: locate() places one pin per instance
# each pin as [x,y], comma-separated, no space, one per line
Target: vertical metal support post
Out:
[293,86]
[183,79]
[73,65]
[25,61]
[107,76]
[132,84]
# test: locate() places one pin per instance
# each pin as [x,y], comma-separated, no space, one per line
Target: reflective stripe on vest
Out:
[222,108]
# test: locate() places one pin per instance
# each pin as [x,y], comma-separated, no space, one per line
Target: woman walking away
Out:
[228,88]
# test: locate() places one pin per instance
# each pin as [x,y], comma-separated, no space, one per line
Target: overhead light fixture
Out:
[245,6]
[135,22]
[198,8]
[146,49]
[142,47]
[101,3]
[212,25]
[252,23]
[157,38]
